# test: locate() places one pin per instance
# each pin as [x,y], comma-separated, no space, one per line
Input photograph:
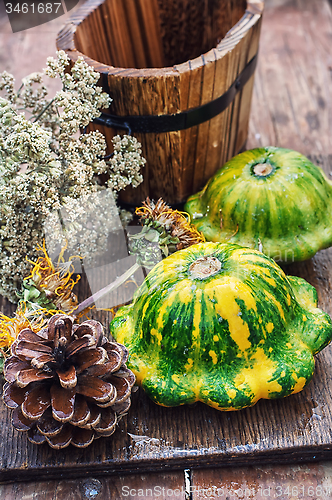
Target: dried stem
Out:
[107,289]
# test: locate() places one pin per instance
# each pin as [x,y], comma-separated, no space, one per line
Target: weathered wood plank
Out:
[292,99]
[135,487]
[312,480]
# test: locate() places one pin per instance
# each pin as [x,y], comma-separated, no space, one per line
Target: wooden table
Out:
[291,108]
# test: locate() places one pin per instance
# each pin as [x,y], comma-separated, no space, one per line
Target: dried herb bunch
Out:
[66,383]
[47,166]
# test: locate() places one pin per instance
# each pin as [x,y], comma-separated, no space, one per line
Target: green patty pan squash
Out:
[271,199]
[224,325]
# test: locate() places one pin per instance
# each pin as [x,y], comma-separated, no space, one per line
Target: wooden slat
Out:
[193,72]
[150,28]
[204,130]
[135,31]
[245,97]
[292,103]
[307,481]
[170,33]
[135,487]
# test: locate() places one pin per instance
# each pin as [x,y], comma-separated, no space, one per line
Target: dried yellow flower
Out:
[55,281]
[11,327]
[176,223]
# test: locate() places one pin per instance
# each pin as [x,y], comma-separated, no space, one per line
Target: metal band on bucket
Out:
[156,124]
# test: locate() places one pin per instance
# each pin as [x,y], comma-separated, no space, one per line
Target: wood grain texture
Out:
[311,480]
[292,99]
[178,63]
[135,487]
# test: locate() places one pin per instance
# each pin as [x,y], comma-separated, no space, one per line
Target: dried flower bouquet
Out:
[47,166]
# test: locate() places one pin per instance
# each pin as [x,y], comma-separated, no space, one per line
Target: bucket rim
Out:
[66,41]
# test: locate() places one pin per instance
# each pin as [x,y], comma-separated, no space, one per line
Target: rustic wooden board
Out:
[291,107]
[262,481]
[151,437]
[166,486]
[286,482]
[292,98]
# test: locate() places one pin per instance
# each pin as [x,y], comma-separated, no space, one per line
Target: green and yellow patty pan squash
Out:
[271,199]
[224,325]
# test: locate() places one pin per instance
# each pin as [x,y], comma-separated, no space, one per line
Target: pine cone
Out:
[67,383]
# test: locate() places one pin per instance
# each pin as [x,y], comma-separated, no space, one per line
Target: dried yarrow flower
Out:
[66,383]
[46,166]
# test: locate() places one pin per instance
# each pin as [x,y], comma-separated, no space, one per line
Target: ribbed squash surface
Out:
[271,199]
[221,324]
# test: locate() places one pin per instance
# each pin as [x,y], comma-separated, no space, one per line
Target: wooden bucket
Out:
[158,60]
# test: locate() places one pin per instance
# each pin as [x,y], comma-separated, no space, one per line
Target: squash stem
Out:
[104,291]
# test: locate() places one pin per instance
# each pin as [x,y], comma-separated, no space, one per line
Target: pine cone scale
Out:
[121,349]
[41,361]
[81,411]
[12,366]
[116,359]
[29,350]
[94,419]
[103,370]
[35,436]
[78,344]
[48,426]
[107,423]
[29,375]
[19,421]
[59,326]
[68,378]
[124,372]
[122,387]
[63,401]
[13,396]
[36,402]
[96,389]
[121,408]
[91,357]
[30,336]
[81,438]
[62,439]
[93,328]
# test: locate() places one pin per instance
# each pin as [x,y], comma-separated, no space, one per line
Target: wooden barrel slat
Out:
[208,79]
[235,106]
[244,110]
[140,46]
[104,43]
[135,31]
[190,135]
[151,32]
[218,125]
